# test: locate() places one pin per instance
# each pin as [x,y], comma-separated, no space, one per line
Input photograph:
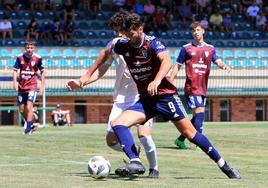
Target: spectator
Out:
[68,28]
[184,11]
[215,21]
[57,31]
[252,12]
[236,6]
[227,22]
[68,9]
[6,28]
[32,31]
[95,6]
[10,5]
[200,6]
[119,4]
[205,23]
[166,11]
[159,21]
[261,22]
[149,8]
[60,117]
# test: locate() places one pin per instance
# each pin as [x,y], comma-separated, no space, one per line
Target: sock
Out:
[182,137]
[150,150]
[202,141]
[198,121]
[126,141]
[116,147]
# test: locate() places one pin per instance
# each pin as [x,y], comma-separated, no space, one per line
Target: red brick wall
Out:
[98,107]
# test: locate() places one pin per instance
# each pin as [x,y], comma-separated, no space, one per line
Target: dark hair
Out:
[197,24]
[29,42]
[132,21]
[117,21]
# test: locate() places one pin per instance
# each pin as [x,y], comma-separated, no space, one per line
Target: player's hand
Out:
[16,86]
[152,87]
[73,85]
[226,68]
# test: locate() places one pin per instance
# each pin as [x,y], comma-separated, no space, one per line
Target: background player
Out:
[149,62]
[125,94]
[28,64]
[197,57]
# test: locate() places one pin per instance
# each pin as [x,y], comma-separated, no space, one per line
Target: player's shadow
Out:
[169,147]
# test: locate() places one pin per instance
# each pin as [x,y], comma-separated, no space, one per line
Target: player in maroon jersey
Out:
[197,57]
[148,62]
[28,63]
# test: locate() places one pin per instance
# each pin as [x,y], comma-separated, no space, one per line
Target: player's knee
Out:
[189,133]
[111,139]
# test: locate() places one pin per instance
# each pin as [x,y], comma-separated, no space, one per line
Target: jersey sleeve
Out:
[119,47]
[40,65]
[182,56]
[157,46]
[214,56]
[16,65]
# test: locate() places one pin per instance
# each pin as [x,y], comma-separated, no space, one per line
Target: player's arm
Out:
[166,65]
[42,70]
[15,70]
[222,65]
[180,61]
[174,72]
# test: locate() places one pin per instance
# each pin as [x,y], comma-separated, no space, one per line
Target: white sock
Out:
[116,147]
[150,150]
[135,159]
[221,162]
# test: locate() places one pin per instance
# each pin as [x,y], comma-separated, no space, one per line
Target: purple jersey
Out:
[143,64]
[28,67]
[198,64]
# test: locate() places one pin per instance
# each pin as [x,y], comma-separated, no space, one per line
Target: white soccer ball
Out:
[98,167]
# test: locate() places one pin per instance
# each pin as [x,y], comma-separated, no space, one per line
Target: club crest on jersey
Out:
[193,53]
[33,63]
[206,53]
[144,53]
[22,62]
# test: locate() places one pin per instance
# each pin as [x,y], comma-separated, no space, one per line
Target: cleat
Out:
[134,167]
[153,173]
[180,144]
[230,171]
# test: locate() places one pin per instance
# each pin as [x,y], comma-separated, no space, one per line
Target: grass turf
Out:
[57,157]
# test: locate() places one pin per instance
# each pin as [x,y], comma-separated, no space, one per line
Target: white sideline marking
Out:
[57,164]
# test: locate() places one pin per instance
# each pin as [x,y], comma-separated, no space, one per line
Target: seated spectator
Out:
[149,8]
[95,6]
[159,21]
[6,28]
[215,21]
[201,5]
[166,11]
[68,28]
[227,22]
[32,31]
[57,31]
[68,9]
[61,117]
[184,11]
[205,23]
[252,12]
[261,21]
[36,117]
[237,7]
[10,5]
[119,4]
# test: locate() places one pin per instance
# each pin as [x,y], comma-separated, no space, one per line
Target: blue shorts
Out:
[169,106]
[24,97]
[196,101]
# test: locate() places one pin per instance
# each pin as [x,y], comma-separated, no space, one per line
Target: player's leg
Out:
[68,118]
[30,101]
[145,136]
[56,120]
[187,129]
[121,128]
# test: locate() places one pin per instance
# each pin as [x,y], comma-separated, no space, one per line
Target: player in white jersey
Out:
[125,94]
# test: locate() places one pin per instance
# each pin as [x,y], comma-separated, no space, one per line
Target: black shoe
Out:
[134,167]
[153,173]
[230,171]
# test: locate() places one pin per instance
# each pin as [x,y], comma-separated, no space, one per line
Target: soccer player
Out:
[28,64]
[197,57]
[125,94]
[148,62]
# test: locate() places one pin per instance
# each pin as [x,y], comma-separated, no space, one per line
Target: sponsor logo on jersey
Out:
[199,66]
[176,115]
[22,62]
[27,68]
[127,54]
[144,53]
[139,70]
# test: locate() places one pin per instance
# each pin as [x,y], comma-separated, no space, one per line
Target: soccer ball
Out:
[98,167]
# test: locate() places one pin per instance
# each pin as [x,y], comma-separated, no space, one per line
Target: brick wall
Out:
[98,107]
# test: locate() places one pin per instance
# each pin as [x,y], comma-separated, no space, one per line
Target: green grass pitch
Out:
[57,157]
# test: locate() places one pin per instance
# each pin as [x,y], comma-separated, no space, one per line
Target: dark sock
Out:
[198,121]
[202,141]
[126,141]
